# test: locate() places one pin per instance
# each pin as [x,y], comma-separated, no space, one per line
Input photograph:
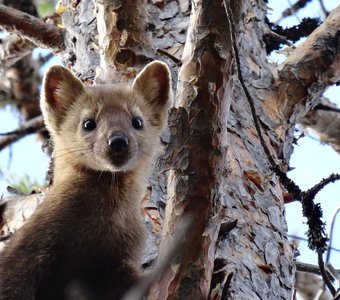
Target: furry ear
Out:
[154,83]
[60,89]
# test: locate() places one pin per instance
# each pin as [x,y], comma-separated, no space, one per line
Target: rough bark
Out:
[254,261]
[124,38]
[196,151]
[107,40]
[219,171]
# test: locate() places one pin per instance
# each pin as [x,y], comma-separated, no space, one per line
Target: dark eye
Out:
[137,123]
[89,125]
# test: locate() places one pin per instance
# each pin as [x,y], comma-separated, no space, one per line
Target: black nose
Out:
[118,144]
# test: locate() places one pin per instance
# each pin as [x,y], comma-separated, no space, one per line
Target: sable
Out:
[89,232]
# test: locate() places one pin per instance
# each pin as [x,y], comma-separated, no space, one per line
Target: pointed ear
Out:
[60,89]
[154,83]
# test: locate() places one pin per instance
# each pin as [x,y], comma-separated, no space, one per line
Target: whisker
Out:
[70,149]
[70,152]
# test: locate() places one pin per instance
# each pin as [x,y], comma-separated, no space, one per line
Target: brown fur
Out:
[89,228]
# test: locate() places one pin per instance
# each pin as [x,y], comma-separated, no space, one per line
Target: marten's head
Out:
[108,127]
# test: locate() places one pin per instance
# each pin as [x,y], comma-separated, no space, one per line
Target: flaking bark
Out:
[219,171]
[196,150]
[123,38]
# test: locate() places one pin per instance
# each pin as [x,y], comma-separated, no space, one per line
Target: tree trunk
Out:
[231,126]
[221,172]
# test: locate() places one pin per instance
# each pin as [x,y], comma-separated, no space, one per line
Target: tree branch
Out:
[325,120]
[323,8]
[29,127]
[308,268]
[331,231]
[293,9]
[316,60]
[325,276]
[13,48]
[36,30]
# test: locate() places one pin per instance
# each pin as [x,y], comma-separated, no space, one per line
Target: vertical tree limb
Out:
[197,150]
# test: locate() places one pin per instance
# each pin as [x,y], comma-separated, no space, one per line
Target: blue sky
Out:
[311,160]
[24,156]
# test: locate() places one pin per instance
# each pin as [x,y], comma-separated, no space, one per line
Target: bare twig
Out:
[323,8]
[309,268]
[295,237]
[335,273]
[13,48]
[292,9]
[313,269]
[311,193]
[325,276]
[326,108]
[41,33]
[281,38]
[317,238]
[331,231]
[43,59]
[31,126]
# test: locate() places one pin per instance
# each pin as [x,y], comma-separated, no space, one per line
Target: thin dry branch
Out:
[324,119]
[13,48]
[327,278]
[323,8]
[36,30]
[293,9]
[311,193]
[308,268]
[331,232]
[309,284]
[299,238]
[31,126]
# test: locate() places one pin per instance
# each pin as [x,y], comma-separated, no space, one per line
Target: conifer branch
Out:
[42,34]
